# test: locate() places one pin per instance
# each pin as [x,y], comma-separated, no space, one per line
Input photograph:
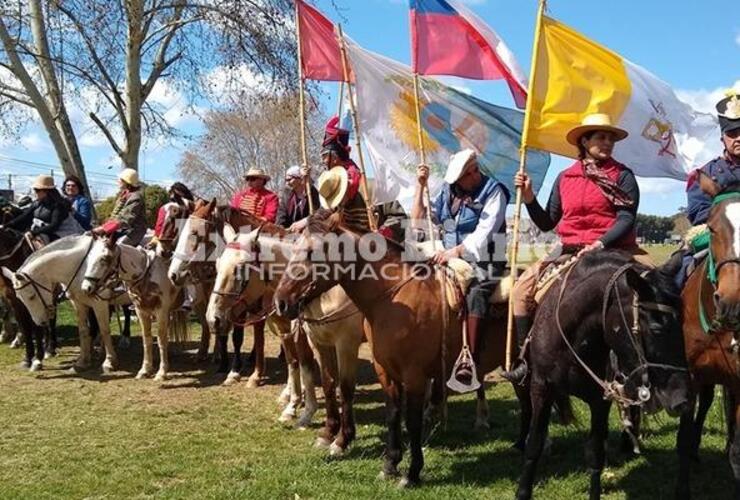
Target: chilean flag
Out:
[449,39]
[321,57]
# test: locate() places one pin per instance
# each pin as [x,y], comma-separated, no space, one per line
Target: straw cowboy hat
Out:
[44,182]
[333,186]
[596,121]
[456,167]
[129,176]
[257,172]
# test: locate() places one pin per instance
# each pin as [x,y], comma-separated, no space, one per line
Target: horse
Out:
[61,263]
[195,253]
[404,322]
[154,296]
[711,319]
[251,266]
[623,324]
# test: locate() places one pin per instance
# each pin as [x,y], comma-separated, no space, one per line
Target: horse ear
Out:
[708,185]
[229,233]
[640,285]
[212,204]
[8,273]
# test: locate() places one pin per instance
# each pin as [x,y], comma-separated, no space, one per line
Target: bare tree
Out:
[58,50]
[260,131]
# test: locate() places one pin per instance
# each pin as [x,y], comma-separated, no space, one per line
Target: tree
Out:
[154,197]
[654,228]
[259,131]
[110,55]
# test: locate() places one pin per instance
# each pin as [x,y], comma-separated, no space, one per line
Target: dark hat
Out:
[336,139]
[728,110]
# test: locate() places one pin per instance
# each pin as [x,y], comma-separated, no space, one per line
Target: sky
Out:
[694,46]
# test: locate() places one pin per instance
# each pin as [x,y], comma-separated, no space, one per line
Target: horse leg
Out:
[237,339]
[525,415]
[51,344]
[38,339]
[728,400]
[346,353]
[481,410]
[595,446]
[163,331]
[26,327]
[125,341]
[685,442]
[222,350]
[415,427]
[205,332]
[147,363]
[102,314]
[307,363]
[630,438]
[735,451]
[294,381]
[392,391]
[329,371]
[706,397]
[259,354]
[83,361]
[542,402]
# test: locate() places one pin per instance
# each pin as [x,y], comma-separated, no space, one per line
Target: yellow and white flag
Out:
[575,77]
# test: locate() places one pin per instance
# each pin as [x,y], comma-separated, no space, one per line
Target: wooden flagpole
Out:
[340,99]
[356,125]
[522,169]
[423,158]
[302,104]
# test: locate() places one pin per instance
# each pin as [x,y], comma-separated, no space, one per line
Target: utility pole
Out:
[10,182]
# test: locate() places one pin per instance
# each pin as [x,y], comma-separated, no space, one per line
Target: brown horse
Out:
[402,303]
[711,317]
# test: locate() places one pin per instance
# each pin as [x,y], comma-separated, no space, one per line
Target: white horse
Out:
[62,263]
[249,269]
[154,296]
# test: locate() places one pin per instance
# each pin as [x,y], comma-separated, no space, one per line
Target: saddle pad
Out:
[549,274]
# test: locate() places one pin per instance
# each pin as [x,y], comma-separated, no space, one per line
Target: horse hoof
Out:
[15,344]
[335,450]
[50,354]
[481,425]
[232,379]
[406,483]
[386,475]
[253,382]
[287,415]
[124,343]
[322,443]
[303,423]
[36,365]
[109,367]
[79,368]
[160,377]
[143,374]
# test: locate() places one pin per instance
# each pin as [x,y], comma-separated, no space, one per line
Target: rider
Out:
[48,217]
[592,206]
[81,204]
[178,193]
[128,215]
[472,210]
[293,209]
[255,199]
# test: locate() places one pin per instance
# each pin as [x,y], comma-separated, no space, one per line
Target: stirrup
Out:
[518,374]
[457,386]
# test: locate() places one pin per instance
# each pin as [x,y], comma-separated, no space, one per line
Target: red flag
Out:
[320,54]
[448,39]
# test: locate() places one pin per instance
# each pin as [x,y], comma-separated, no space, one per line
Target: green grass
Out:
[95,436]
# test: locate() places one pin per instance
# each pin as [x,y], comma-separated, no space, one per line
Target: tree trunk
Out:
[134,96]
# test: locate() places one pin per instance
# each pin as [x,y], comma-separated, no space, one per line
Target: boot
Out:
[520,369]
[464,372]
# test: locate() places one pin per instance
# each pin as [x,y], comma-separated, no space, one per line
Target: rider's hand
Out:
[596,245]
[444,256]
[98,231]
[305,171]
[298,226]
[422,174]
[522,180]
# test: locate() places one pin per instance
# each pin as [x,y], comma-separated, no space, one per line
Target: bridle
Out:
[614,389]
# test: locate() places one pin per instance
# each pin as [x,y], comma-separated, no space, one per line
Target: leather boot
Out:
[518,373]
[464,373]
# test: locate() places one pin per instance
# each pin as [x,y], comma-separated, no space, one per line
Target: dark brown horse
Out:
[608,330]
[402,304]
[711,315]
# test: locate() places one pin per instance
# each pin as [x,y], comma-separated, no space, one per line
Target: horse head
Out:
[37,297]
[193,242]
[174,213]
[309,271]
[102,262]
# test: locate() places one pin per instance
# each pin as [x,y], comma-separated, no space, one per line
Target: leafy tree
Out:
[154,197]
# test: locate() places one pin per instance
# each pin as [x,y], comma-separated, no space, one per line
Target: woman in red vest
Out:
[592,206]
[255,199]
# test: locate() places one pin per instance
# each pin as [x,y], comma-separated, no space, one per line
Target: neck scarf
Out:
[608,187]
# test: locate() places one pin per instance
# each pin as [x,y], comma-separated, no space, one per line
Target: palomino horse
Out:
[402,304]
[711,316]
[154,296]
[198,286]
[606,317]
[62,262]
[197,247]
[253,263]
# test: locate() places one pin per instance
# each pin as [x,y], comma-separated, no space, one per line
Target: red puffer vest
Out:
[587,214]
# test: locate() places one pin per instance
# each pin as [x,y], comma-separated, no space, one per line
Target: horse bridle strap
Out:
[15,249]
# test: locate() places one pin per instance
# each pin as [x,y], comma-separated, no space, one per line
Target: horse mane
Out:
[60,245]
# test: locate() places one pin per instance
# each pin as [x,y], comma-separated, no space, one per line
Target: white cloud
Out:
[705,100]
[34,142]
[659,186]
[737,39]
[223,84]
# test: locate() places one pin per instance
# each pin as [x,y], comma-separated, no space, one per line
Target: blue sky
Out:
[694,46]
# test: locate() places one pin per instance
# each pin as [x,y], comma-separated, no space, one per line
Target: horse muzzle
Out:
[286,308]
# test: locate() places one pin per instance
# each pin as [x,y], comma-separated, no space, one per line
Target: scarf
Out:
[608,187]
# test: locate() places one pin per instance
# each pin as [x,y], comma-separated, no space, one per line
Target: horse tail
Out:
[565,409]
[179,326]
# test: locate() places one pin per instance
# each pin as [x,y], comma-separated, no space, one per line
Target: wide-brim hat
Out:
[44,182]
[728,110]
[596,121]
[129,176]
[257,172]
[332,186]
[457,165]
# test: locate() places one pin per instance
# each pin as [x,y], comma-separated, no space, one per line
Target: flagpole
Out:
[341,98]
[356,125]
[423,158]
[302,104]
[522,169]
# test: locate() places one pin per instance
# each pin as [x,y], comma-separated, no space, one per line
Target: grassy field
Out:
[96,436]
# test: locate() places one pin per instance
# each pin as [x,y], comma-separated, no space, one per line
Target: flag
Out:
[451,121]
[449,39]
[575,77]
[321,57]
